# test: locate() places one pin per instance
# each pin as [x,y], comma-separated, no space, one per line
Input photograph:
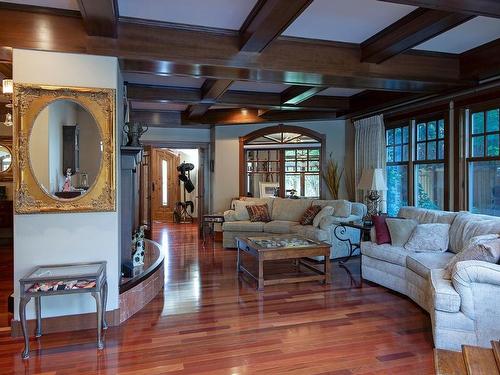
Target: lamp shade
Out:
[372,179]
[7,86]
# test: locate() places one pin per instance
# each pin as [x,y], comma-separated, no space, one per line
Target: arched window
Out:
[281,160]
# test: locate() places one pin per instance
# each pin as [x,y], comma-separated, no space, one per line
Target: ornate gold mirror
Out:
[5,159]
[64,138]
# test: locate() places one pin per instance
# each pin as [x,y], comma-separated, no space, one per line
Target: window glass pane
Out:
[397,188]
[289,154]
[478,123]
[390,137]
[164,183]
[441,129]
[263,155]
[314,166]
[301,154]
[290,166]
[397,136]
[405,134]
[431,150]
[429,185]
[292,181]
[431,130]
[441,150]
[301,165]
[397,153]
[390,154]
[421,132]
[314,154]
[249,167]
[492,141]
[405,153]
[311,185]
[484,187]
[477,146]
[492,120]
[420,151]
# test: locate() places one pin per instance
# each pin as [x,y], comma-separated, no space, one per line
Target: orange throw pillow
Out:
[309,215]
[259,212]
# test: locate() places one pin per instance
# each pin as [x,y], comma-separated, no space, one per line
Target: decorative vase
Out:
[134,132]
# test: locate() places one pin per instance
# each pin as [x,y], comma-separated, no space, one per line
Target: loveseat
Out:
[286,214]
[463,310]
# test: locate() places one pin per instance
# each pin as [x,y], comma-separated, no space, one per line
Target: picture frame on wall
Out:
[268,189]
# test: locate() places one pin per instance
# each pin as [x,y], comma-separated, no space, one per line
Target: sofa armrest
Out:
[443,294]
[358,209]
[230,215]
[467,276]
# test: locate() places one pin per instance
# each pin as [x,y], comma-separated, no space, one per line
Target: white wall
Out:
[74,237]
[226,174]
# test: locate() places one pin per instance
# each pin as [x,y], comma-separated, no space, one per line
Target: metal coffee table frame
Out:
[99,292]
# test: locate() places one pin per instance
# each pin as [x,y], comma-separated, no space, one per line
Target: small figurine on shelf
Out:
[138,247]
[67,182]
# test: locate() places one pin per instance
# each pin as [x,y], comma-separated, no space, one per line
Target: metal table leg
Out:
[22,314]
[104,303]
[98,302]
[38,308]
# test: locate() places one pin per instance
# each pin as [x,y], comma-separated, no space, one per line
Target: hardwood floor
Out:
[208,321]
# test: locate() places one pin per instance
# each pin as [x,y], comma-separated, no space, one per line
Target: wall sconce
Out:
[8,86]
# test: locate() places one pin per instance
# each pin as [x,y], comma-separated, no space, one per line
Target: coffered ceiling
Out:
[243,61]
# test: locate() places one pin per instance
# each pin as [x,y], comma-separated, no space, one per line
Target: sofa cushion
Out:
[241,212]
[259,212]
[386,252]
[467,225]
[400,230]
[423,263]
[268,201]
[444,297]
[309,215]
[312,233]
[426,216]
[243,226]
[429,238]
[342,207]
[326,211]
[381,230]
[280,226]
[289,209]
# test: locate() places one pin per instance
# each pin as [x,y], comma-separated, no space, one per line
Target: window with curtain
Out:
[483,161]
[429,164]
[283,161]
[397,151]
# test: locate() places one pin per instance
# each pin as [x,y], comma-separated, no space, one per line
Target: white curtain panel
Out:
[369,148]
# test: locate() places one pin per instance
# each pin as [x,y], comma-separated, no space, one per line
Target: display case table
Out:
[51,280]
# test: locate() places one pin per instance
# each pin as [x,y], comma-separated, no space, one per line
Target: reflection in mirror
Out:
[65,149]
[5,158]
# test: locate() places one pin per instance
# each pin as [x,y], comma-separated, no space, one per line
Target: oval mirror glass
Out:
[65,149]
[5,158]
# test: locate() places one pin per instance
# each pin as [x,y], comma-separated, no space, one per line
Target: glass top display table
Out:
[54,280]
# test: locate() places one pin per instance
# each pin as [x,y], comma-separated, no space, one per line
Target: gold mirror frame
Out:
[6,176]
[30,197]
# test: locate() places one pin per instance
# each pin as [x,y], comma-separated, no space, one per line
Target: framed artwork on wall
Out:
[268,189]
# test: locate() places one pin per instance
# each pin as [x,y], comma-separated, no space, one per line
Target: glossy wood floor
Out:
[208,321]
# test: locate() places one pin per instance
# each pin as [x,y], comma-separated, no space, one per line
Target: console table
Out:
[208,224]
[54,280]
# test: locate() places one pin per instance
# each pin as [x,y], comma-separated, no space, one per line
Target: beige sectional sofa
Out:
[463,310]
[285,214]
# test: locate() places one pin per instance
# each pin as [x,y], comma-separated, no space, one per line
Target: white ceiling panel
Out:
[258,86]
[61,4]
[471,34]
[152,106]
[225,14]
[338,91]
[151,79]
[346,20]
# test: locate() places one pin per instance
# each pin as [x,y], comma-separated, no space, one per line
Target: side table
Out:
[209,220]
[54,280]
[340,233]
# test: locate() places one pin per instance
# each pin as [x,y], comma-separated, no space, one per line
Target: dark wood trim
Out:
[481,62]
[488,8]
[413,29]
[6,69]
[267,20]
[100,17]
[211,90]
[298,94]
[67,323]
[40,9]
[164,119]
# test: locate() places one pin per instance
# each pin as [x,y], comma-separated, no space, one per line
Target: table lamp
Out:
[373,181]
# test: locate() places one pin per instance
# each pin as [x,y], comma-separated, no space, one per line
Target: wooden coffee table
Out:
[283,247]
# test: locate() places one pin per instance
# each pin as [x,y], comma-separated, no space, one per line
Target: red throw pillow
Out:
[309,215]
[381,229]
[259,212]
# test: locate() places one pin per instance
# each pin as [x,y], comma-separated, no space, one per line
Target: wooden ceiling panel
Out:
[100,17]
[489,8]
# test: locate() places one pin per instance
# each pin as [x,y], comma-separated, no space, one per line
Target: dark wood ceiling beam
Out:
[100,17]
[142,48]
[482,62]
[197,110]
[163,119]
[6,69]
[211,90]
[163,94]
[266,22]
[488,8]
[298,94]
[410,31]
